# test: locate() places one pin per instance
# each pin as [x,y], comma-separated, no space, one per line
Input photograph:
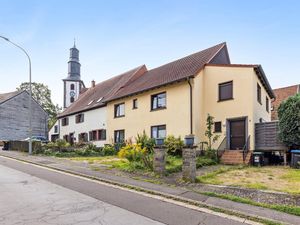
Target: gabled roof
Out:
[175,71]
[140,79]
[6,96]
[95,97]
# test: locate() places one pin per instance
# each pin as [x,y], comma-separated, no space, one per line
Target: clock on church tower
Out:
[73,83]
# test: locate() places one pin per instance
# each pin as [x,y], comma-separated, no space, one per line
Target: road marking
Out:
[153,196]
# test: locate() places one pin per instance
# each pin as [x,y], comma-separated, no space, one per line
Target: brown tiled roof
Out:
[169,73]
[89,99]
[281,95]
[5,96]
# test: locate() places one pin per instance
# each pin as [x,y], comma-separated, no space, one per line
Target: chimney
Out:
[93,84]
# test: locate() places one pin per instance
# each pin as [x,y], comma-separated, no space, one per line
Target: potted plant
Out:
[189,140]
[159,142]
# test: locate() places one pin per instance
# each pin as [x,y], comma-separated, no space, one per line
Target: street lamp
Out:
[30,92]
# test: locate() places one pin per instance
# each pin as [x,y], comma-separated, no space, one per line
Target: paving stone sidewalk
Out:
[84,168]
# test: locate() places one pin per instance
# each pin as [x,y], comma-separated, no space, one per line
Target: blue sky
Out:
[115,36]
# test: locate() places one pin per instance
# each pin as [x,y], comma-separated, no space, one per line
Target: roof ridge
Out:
[195,53]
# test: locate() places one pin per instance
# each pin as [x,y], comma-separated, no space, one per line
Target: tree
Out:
[42,95]
[289,121]
[209,131]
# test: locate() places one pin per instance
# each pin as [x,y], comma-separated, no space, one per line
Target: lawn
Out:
[173,163]
[275,178]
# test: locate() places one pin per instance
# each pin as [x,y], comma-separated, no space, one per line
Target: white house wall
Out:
[93,120]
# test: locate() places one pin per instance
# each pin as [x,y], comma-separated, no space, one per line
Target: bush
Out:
[108,150]
[174,145]
[145,141]
[135,153]
[289,121]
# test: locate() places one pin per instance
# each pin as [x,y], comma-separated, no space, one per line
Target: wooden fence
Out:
[266,137]
[23,146]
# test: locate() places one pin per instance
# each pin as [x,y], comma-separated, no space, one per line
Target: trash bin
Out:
[295,160]
[258,158]
[6,145]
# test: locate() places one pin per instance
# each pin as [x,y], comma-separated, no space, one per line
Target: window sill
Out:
[116,117]
[224,100]
[157,109]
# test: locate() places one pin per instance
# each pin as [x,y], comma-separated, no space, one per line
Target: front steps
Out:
[235,157]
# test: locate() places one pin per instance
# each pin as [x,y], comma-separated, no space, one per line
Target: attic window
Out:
[90,102]
[99,100]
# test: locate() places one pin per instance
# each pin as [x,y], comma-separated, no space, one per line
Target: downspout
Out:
[191,105]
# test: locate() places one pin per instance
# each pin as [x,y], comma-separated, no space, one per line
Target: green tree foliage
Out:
[289,121]
[209,131]
[42,94]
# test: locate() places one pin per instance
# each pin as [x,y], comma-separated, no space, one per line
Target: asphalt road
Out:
[35,195]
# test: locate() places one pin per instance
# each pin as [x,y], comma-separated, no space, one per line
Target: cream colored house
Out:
[175,99]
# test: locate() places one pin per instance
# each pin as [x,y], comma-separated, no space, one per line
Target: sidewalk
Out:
[81,168]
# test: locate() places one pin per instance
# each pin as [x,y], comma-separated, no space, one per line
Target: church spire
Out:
[74,65]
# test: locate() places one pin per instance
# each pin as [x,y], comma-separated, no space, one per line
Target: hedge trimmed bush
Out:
[289,121]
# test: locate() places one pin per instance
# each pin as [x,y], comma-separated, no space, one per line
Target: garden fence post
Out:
[159,160]
[189,164]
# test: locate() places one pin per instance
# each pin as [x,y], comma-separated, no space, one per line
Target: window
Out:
[102,135]
[134,104]
[225,91]
[72,99]
[97,135]
[158,131]
[72,87]
[120,110]
[79,118]
[158,101]
[83,137]
[119,136]
[267,104]
[258,93]
[55,129]
[218,127]
[65,121]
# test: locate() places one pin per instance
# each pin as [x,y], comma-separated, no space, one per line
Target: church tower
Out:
[73,83]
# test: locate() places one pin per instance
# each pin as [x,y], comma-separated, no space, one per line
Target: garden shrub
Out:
[135,153]
[108,150]
[289,121]
[174,145]
[145,141]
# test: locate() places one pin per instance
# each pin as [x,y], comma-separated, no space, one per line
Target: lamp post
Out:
[30,92]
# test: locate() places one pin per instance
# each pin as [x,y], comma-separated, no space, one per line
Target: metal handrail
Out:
[246,148]
[220,150]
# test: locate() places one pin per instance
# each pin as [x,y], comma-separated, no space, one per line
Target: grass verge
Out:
[293,210]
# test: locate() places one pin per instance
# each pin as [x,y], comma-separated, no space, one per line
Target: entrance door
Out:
[71,138]
[237,134]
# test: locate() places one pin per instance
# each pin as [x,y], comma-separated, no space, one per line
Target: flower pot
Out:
[189,140]
[159,142]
